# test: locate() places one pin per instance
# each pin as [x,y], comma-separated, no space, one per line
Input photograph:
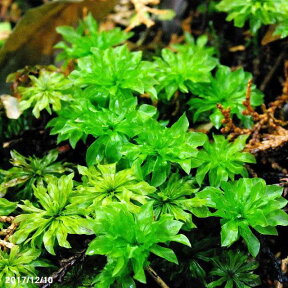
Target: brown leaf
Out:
[34,36]
[269,36]
[237,48]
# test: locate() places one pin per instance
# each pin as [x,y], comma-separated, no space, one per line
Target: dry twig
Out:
[268,131]
[230,127]
[272,71]
[6,233]
[65,264]
[6,244]
[156,277]
[142,13]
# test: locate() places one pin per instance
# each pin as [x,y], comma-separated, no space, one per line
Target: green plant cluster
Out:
[104,74]
[148,182]
[78,42]
[227,88]
[257,13]
[28,171]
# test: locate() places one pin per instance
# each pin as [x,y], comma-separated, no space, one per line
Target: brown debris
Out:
[276,166]
[122,13]
[268,131]
[21,77]
[267,141]
[6,244]
[156,277]
[132,13]
[6,233]
[237,48]
[230,127]
[249,109]
[284,269]
[187,24]
[9,11]
[143,11]
[6,219]
[270,36]
[65,265]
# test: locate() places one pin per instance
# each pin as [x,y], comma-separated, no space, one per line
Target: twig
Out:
[251,171]
[66,264]
[6,244]
[10,230]
[156,277]
[247,103]
[142,13]
[177,103]
[6,219]
[272,71]
[230,127]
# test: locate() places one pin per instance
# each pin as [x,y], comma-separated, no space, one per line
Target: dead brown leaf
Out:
[34,36]
[237,48]
[269,36]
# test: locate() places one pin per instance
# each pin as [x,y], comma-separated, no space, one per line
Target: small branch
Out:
[272,71]
[177,103]
[6,244]
[156,277]
[230,127]
[142,13]
[66,264]
[6,219]
[10,230]
[247,103]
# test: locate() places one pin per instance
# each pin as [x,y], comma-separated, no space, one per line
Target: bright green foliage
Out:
[46,91]
[227,88]
[247,203]
[222,160]
[87,36]
[71,121]
[137,194]
[111,127]
[103,185]
[234,270]
[6,207]
[175,71]
[5,28]
[199,44]
[282,29]
[115,71]
[158,147]
[178,198]
[19,263]
[127,240]
[27,171]
[53,219]
[257,12]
